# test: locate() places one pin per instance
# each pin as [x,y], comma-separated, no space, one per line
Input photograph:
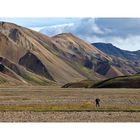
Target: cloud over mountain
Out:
[122,32]
[119,31]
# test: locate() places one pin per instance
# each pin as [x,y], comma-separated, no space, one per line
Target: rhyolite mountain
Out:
[29,57]
[32,58]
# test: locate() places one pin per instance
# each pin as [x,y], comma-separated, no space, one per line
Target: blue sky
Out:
[122,32]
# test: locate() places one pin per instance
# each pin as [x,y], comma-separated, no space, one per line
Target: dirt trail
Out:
[69,117]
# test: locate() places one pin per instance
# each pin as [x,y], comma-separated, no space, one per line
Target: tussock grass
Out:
[67,108]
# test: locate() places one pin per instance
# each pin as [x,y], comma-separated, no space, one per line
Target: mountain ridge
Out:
[110,49]
[39,59]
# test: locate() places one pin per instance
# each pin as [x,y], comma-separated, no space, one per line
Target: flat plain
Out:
[55,104]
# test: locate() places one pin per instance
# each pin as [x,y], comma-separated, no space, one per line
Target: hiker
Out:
[97,100]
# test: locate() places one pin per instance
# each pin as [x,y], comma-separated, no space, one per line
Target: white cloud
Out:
[57,29]
[36,28]
[129,43]
[89,26]
[123,33]
[85,27]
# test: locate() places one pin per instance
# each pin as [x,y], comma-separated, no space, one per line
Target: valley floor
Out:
[55,104]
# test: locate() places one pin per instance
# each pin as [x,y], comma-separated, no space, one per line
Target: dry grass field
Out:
[55,104]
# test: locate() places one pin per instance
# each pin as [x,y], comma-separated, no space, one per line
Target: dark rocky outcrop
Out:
[88,63]
[14,34]
[102,67]
[1,67]
[32,63]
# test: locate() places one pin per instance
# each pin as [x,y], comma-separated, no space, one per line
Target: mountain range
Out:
[28,57]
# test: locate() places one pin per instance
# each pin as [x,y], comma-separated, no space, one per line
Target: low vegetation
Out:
[132,81]
[37,80]
[81,84]
[120,82]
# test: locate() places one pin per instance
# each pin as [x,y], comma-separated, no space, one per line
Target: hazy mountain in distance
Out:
[110,49]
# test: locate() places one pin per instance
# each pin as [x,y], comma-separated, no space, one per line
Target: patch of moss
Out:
[36,79]
[81,84]
[2,80]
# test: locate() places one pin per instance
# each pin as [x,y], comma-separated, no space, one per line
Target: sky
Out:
[121,32]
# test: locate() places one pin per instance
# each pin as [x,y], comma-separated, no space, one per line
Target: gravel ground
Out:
[69,116]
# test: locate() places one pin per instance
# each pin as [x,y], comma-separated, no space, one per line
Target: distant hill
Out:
[80,84]
[132,81]
[110,49]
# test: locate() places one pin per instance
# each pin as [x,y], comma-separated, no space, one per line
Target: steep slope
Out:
[120,82]
[58,51]
[6,80]
[79,52]
[19,73]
